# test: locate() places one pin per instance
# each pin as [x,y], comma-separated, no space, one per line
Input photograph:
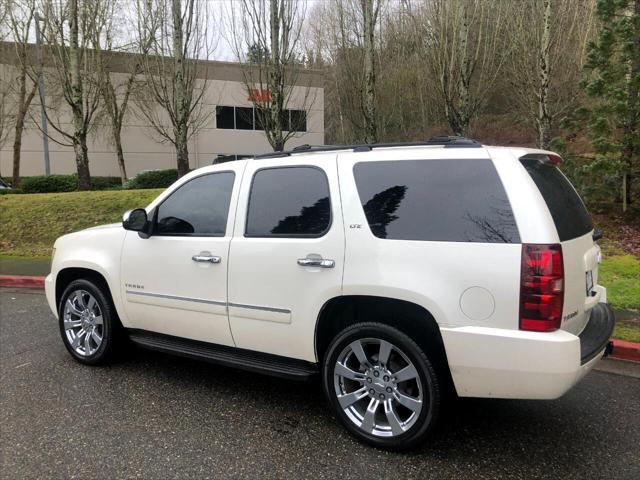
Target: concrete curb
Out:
[21,281]
[625,350]
[621,348]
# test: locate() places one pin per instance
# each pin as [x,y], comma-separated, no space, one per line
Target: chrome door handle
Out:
[206,257]
[316,261]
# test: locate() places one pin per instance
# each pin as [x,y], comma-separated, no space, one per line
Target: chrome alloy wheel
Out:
[378,387]
[83,324]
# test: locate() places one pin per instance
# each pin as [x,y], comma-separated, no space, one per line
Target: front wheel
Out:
[88,322]
[381,386]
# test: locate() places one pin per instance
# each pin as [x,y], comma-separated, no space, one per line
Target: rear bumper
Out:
[498,363]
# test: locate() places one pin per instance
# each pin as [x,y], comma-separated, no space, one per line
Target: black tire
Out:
[421,427]
[110,323]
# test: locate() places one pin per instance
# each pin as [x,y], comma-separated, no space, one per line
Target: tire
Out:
[86,306]
[405,411]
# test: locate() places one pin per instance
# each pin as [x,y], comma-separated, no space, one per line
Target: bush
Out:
[153,179]
[105,183]
[65,183]
[50,183]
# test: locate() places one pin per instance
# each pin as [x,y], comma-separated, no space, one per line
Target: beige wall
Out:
[142,147]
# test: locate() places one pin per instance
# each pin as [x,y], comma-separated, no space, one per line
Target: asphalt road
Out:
[156,416]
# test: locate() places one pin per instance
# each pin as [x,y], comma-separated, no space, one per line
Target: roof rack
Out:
[445,140]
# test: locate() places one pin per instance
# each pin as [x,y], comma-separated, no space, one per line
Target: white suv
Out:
[396,272]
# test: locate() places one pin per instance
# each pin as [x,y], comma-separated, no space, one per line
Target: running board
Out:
[228,356]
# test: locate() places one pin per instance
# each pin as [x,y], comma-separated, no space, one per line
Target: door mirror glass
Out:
[135,220]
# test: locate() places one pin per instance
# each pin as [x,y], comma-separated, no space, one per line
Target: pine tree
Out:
[613,85]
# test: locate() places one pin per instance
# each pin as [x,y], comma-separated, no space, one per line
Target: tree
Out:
[465,48]
[21,18]
[370,10]
[116,95]
[269,31]
[69,27]
[549,38]
[175,70]
[613,85]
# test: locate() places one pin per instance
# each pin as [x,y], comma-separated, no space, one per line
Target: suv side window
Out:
[198,208]
[289,202]
[437,200]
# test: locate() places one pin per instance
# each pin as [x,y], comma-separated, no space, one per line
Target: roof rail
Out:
[444,140]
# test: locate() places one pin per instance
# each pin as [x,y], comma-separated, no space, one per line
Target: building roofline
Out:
[207,69]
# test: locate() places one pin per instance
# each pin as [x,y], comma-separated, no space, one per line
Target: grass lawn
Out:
[29,224]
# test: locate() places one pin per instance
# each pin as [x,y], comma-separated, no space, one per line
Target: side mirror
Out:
[136,221]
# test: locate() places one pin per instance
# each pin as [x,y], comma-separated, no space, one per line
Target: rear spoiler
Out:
[548,157]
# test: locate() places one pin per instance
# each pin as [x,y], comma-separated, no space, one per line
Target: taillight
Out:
[541,287]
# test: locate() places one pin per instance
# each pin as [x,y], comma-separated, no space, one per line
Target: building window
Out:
[246,118]
[224,118]
[298,120]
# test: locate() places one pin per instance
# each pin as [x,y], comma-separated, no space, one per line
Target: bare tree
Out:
[549,38]
[266,39]
[116,92]
[69,27]
[370,10]
[466,53]
[21,18]
[175,69]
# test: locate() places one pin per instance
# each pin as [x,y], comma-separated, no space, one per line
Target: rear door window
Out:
[289,202]
[567,210]
[437,200]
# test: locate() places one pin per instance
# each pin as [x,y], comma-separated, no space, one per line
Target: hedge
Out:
[153,179]
[62,183]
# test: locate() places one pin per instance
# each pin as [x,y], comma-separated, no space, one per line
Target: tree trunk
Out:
[544,119]
[120,156]
[182,152]
[463,113]
[277,102]
[24,100]
[17,146]
[369,91]
[82,162]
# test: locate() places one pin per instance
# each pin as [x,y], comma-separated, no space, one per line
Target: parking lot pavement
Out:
[157,416]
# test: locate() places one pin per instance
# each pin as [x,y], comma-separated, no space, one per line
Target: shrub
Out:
[65,183]
[153,179]
[50,183]
[105,183]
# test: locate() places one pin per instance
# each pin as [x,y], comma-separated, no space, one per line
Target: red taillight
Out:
[541,287]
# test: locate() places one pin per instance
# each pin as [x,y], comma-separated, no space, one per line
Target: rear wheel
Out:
[381,386]
[88,322]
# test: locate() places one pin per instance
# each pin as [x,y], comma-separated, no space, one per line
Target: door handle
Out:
[313,260]
[206,257]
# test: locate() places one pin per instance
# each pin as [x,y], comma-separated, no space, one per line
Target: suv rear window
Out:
[567,210]
[437,200]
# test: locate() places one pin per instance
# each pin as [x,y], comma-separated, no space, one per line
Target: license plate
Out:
[589,282]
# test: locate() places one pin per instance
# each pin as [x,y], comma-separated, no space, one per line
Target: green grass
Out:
[621,275]
[29,224]
[629,331]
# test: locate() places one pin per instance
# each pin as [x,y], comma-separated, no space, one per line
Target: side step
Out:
[228,356]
